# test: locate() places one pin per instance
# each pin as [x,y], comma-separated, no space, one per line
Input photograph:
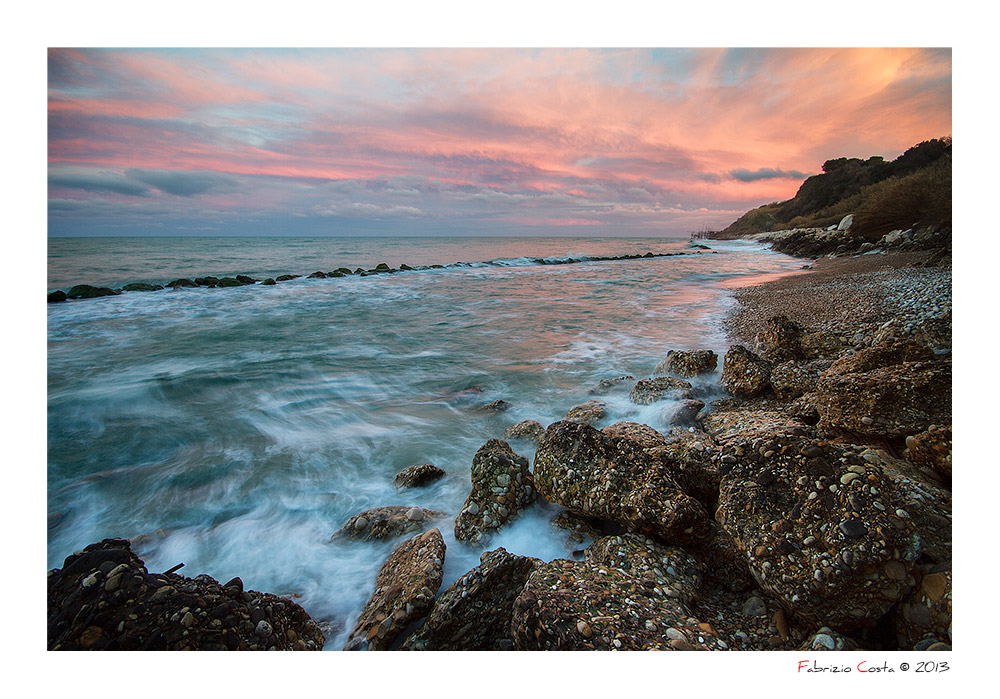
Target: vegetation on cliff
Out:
[914,190]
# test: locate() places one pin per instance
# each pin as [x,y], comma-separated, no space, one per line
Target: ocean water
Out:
[240,428]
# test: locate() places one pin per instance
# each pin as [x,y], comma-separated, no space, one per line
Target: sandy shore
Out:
[852,297]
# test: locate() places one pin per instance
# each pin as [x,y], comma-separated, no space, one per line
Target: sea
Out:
[234,430]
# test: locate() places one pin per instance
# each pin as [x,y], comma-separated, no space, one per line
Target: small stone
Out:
[584,629]
[414,514]
[360,523]
[853,528]
[824,641]
[263,629]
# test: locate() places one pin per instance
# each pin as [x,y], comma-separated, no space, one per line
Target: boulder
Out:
[581,605]
[141,286]
[744,374]
[820,345]
[229,282]
[779,339]
[818,528]
[268,282]
[317,275]
[590,411]
[648,391]
[475,612]
[245,280]
[57,296]
[418,475]
[608,385]
[526,429]
[685,413]
[793,378]
[925,614]
[497,406]
[669,568]
[890,402]
[103,598]
[206,281]
[387,523]
[597,475]
[687,364]
[932,450]
[181,283]
[404,592]
[739,426]
[723,562]
[502,486]
[886,352]
[287,277]
[85,291]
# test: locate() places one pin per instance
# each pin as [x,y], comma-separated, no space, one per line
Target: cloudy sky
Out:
[465,142]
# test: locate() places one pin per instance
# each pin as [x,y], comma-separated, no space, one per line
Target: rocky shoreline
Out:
[810,509]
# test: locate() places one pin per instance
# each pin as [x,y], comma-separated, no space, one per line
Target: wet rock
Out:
[85,291]
[229,282]
[580,605]
[931,449]
[404,592]
[589,412]
[103,598]
[268,282]
[57,296]
[181,283]
[925,615]
[387,523]
[287,277]
[418,475]
[684,413]
[812,520]
[245,280]
[648,391]
[141,286]
[206,281]
[744,374]
[687,364]
[889,402]
[597,475]
[317,275]
[526,429]
[605,386]
[779,339]
[502,486]
[475,612]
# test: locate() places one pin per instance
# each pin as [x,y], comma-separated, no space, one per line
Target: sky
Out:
[630,142]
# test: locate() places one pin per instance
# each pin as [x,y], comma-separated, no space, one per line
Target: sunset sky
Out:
[465,141]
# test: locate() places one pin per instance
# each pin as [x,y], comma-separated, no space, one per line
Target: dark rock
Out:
[589,412]
[229,282]
[57,296]
[723,562]
[179,283]
[475,612]
[525,429]
[502,487]
[268,282]
[931,449]
[925,615]
[405,268]
[597,475]
[140,286]
[404,592]
[688,364]
[85,291]
[104,599]
[580,528]
[317,275]
[685,413]
[287,277]
[608,385]
[206,281]
[744,374]
[497,406]
[418,475]
[778,339]
[669,568]
[387,522]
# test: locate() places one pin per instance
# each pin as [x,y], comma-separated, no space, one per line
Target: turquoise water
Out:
[248,424]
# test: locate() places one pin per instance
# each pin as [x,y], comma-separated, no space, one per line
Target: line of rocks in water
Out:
[87,291]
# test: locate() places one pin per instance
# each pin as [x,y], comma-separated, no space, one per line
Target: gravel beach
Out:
[852,297]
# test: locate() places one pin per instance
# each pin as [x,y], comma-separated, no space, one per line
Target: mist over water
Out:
[242,427]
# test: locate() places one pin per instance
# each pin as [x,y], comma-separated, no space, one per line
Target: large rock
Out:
[404,592]
[582,605]
[889,402]
[685,413]
[387,522]
[590,411]
[579,528]
[614,384]
[744,374]
[742,425]
[502,486]
[687,364]
[886,352]
[418,475]
[613,478]
[819,529]
[57,296]
[723,561]
[85,291]
[103,598]
[792,379]
[820,345]
[141,286]
[779,339]
[475,612]
[648,391]
[670,568]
